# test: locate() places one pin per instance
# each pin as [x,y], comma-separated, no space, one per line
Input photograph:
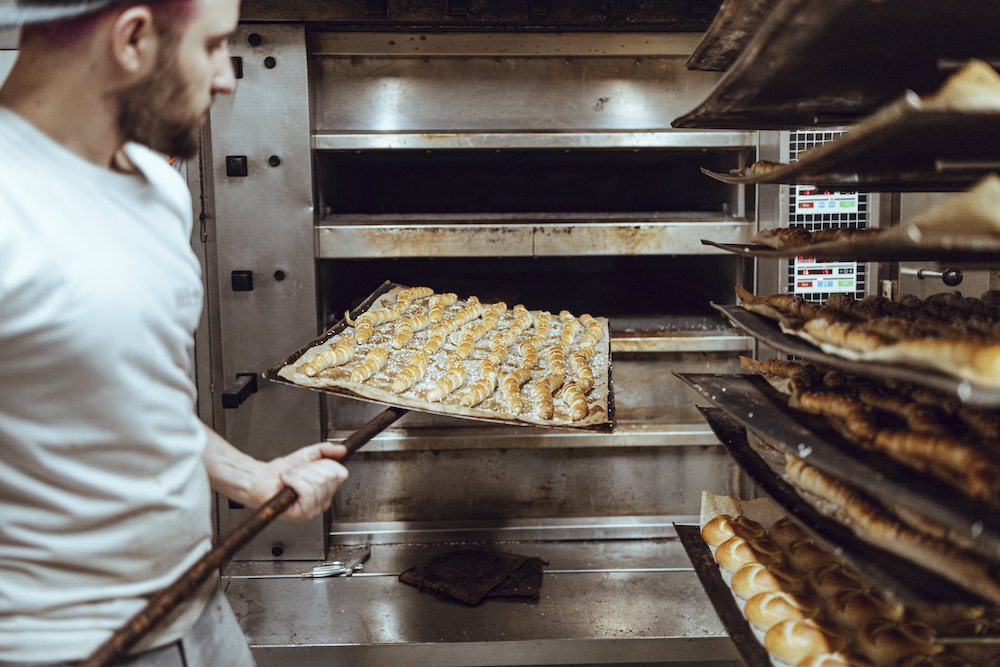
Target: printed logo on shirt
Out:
[187,297]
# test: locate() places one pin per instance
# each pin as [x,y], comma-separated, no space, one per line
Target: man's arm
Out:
[312,471]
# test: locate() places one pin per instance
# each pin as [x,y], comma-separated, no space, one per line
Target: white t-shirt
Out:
[103,494]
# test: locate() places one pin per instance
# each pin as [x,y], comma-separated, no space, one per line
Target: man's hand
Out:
[314,472]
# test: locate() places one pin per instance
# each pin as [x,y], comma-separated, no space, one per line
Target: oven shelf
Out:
[604,599]
[795,71]
[907,145]
[524,235]
[905,579]
[751,403]
[768,332]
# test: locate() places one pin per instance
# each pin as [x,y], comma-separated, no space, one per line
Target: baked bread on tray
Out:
[439,353]
[958,336]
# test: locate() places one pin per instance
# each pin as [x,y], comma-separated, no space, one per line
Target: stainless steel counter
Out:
[603,601]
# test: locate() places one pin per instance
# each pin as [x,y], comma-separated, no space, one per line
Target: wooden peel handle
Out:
[164,602]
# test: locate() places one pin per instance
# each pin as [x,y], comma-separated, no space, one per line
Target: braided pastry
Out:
[437,304]
[412,372]
[365,325]
[411,293]
[339,354]
[530,353]
[570,327]
[541,391]
[405,328]
[575,400]
[451,381]
[510,388]
[371,364]
[482,387]
[594,332]
[580,362]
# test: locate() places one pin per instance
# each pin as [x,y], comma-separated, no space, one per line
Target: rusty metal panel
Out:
[638,238]
[406,239]
[414,240]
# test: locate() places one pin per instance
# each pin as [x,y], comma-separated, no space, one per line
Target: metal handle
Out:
[240,390]
[164,602]
[950,277]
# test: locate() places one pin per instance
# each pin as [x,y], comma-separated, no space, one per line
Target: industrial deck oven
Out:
[522,154]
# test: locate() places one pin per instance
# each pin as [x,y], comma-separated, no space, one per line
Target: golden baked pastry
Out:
[853,608]
[885,641]
[453,332]
[791,641]
[805,555]
[720,528]
[832,578]
[765,610]
[786,530]
[736,552]
[754,578]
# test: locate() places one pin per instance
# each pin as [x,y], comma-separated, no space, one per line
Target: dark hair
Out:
[166,13]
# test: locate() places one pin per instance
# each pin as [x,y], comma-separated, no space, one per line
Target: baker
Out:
[105,469]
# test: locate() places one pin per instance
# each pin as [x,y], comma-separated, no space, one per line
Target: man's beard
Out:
[152,111]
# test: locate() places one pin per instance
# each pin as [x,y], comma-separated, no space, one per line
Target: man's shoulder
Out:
[160,174]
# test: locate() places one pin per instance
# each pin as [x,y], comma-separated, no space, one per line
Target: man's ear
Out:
[134,41]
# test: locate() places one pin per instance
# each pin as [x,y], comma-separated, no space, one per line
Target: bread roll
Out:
[806,555]
[828,580]
[884,641]
[754,578]
[791,641]
[786,530]
[765,610]
[736,552]
[720,528]
[854,608]
[833,660]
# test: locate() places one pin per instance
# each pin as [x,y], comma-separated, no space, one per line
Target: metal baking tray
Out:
[796,71]
[903,146]
[755,405]
[272,375]
[733,27]
[907,581]
[721,597]
[767,331]
[971,252]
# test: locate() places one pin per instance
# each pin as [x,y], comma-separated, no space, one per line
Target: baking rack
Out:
[768,332]
[832,62]
[906,581]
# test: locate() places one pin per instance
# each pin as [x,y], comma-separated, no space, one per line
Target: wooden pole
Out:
[164,602]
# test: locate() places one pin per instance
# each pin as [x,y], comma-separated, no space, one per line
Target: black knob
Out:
[253,39]
[952,277]
[277,550]
[270,62]
[274,160]
[279,275]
